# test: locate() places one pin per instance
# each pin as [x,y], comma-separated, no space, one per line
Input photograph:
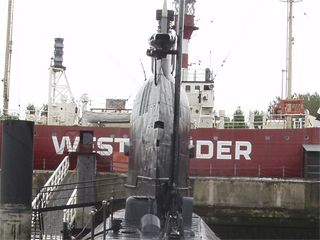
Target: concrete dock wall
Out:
[256,193]
[262,193]
[244,207]
[257,208]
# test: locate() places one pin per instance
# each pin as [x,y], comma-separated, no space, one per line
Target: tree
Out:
[31,108]
[311,101]
[275,103]
[44,110]
[12,116]
[258,118]
[238,120]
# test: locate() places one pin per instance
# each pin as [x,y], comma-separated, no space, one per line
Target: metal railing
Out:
[69,215]
[47,190]
[196,75]
[261,121]
[63,203]
[256,171]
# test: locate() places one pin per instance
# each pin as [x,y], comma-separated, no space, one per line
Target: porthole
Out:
[215,138]
[112,135]
[267,137]
[35,133]
[125,136]
[54,134]
[306,137]
[287,137]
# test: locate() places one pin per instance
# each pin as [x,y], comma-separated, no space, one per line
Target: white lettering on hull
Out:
[199,153]
[242,148]
[244,152]
[204,148]
[103,144]
[223,150]
[65,141]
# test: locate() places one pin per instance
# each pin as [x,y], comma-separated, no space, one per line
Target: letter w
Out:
[65,139]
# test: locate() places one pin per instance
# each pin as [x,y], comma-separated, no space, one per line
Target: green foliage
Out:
[31,108]
[44,110]
[311,101]
[258,118]
[275,103]
[238,120]
[12,116]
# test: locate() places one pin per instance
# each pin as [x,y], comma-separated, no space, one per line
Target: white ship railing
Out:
[261,121]
[43,197]
[69,215]
[255,171]
[196,75]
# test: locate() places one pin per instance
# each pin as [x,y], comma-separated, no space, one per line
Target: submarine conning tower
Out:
[160,124]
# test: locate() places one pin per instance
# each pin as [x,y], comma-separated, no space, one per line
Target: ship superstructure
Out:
[216,136]
[62,107]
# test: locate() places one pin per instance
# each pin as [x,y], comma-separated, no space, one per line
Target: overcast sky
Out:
[105,43]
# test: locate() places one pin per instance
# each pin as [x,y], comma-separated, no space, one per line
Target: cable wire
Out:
[238,38]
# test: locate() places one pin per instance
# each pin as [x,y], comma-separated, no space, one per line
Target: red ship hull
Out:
[218,152]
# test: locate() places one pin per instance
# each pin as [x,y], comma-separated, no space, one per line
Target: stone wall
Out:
[256,193]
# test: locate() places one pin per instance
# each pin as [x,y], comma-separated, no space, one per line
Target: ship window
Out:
[159,124]
[267,137]
[188,88]
[197,87]
[306,137]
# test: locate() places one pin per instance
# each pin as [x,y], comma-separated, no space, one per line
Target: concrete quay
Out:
[240,207]
[258,207]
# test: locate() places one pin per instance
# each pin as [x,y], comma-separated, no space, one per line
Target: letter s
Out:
[108,149]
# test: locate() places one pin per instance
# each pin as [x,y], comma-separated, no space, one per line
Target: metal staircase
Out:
[55,205]
[53,193]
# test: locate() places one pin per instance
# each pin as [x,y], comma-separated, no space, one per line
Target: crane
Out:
[6,79]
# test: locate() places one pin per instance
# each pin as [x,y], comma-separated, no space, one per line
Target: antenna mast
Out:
[289,53]
[176,136]
[6,80]
[290,40]
[61,103]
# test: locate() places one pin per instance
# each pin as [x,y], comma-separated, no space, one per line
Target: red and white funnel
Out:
[189,27]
